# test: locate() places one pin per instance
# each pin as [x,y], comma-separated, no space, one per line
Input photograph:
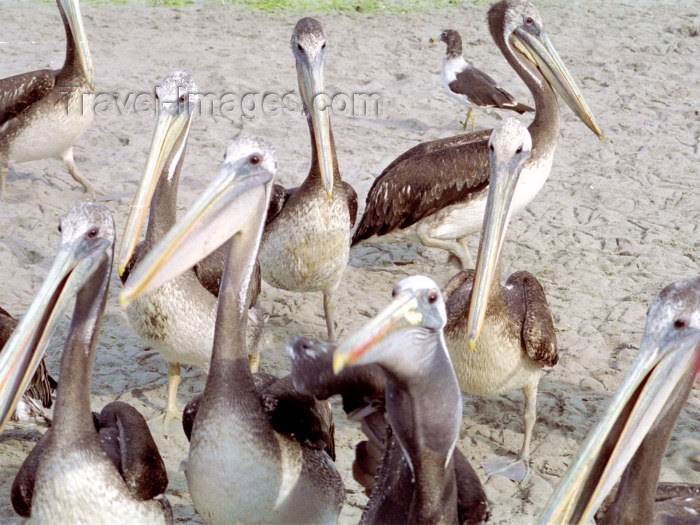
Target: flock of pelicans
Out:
[261,447]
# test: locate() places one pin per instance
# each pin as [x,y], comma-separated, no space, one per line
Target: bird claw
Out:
[517,470]
[165,418]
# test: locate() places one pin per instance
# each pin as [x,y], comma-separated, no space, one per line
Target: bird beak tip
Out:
[471,343]
[338,363]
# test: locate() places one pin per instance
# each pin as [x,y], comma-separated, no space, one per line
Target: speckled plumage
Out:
[306,245]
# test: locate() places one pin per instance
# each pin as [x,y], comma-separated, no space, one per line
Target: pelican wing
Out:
[538,327]
[19,92]
[425,179]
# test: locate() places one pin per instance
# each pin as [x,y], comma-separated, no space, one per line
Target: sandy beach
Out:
[616,221]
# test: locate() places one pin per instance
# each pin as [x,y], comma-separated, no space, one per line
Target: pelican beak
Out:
[312,83]
[657,376]
[74,263]
[169,138]
[502,183]
[403,312]
[71,9]
[213,219]
[538,49]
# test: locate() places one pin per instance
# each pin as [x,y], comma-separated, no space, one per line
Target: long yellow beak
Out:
[24,350]
[169,136]
[650,385]
[541,52]
[401,313]
[211,221]
[312,86]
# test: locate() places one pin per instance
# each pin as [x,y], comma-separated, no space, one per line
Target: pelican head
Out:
[519,27]
[665,367]
[87,239]
[417,309]
[176,98]
[309,48]
[222,211]
[509,147]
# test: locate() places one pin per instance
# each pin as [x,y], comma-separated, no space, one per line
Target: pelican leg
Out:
[519,469]
[67,157]
[458,248]
[329,310]
[171,412]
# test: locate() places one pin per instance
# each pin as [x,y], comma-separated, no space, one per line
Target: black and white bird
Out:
[470,85]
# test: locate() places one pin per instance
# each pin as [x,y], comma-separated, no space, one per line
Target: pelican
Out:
[306,245]
[629,442]
[500,337]
[406,341]
[83,470]
[239,469]
[436,191]
[178,318]
[380,465]
[38,398]
[471,86]
[43,112]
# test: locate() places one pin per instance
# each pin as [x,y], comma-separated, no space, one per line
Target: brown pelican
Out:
[43,112]
[79,473]
[380,465]
[500,337]
[470,85]
[407,342]
[178,318]
[306,246]
[239,469]
[436,191]
[630,440]
[39,396]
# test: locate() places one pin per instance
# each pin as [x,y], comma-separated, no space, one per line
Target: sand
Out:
[616,221]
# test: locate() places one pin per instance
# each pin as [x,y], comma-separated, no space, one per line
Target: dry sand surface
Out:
[616,221]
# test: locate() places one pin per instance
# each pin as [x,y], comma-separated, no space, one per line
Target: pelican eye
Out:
[254,159]
[529,21]
[300,48]
[432,296]
[59,228]
[491,147]
[393,293]
[678,324]
[519,150]
[323,46]
[92,232]
[182,99]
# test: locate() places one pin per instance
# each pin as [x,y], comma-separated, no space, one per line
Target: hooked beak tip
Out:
[124,300]
[338,363]
[471,343]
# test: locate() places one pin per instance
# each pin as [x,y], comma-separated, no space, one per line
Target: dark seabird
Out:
[630,440]
[38,397]
[239,469]
[500,337]
[306,245]
[435,193]
[178,318]
[380,465]
[87,468]
[43,112]
[470,85]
